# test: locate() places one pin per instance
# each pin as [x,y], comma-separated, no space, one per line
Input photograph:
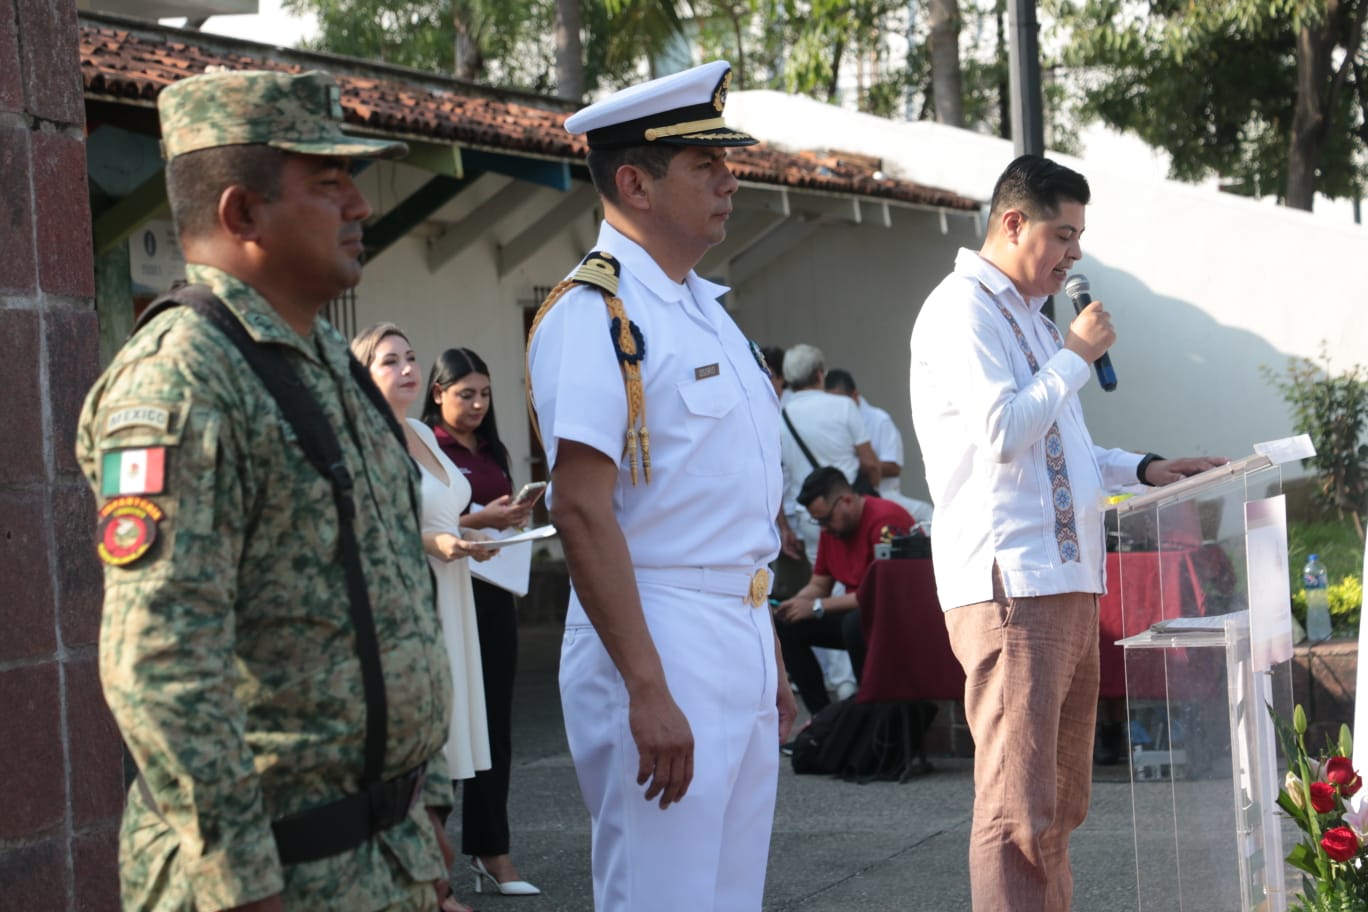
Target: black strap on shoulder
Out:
[802,446]
[173,298]
[367,383]
[321,448]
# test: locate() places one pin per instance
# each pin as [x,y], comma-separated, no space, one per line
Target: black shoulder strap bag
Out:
[861,484]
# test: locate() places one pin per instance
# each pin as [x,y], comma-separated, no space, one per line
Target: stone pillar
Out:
[61,782]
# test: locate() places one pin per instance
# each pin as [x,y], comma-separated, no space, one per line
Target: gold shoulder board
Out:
[600,270]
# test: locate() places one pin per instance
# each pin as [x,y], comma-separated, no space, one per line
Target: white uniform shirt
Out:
[831,427]
[713,417]
[981,418]
[885,439]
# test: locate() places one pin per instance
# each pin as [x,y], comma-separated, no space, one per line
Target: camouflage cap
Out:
[298,113]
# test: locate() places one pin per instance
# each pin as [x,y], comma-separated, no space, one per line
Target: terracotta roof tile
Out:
[129,61]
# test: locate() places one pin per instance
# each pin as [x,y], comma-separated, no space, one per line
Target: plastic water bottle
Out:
[1317,583]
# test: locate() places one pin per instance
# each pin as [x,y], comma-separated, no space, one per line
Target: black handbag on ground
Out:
[863,742]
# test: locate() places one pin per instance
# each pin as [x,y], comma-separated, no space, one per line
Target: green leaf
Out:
[1302,858]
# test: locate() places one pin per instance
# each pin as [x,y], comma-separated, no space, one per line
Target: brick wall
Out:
[60,773]
[1324,681]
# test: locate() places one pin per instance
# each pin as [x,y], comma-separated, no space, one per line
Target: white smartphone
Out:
[530,492]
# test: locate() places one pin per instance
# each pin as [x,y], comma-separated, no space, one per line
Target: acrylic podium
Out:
[1204,758]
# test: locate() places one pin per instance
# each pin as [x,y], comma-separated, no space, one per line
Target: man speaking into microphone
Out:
[1019,557]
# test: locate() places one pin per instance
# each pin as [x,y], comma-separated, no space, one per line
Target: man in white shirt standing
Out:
[883,433]
[662,432]
[831,431]
[887,442]
[1019,554]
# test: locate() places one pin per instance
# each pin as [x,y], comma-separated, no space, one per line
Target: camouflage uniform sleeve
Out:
[437,791]
[166,641]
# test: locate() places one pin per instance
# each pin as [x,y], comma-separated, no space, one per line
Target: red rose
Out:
[1322,797]
[1340,772]
[1340,843]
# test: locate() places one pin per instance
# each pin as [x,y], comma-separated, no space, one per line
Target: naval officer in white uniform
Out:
[661,428]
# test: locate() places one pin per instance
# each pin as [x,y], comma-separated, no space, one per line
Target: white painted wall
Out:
[853,291]
[1204,287]
[466,303]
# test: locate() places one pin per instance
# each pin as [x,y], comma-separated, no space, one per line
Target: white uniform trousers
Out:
[709,851]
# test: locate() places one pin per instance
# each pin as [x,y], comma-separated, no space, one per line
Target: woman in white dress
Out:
[385,351]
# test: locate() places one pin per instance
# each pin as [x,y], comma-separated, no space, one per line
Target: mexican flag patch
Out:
[133,471]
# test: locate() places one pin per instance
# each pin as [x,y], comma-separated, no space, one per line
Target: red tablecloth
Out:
[909,654]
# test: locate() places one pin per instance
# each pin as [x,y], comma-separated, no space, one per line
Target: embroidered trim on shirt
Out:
[1061,494]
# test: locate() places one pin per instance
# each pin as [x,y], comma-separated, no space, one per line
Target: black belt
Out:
[333,828]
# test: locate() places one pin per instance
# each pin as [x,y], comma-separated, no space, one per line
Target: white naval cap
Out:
[682,109]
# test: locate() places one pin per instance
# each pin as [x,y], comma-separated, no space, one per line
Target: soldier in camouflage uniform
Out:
[226,653]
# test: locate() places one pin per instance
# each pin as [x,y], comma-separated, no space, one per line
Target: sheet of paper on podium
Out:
[1195,624]
[511,566]
[1287,449]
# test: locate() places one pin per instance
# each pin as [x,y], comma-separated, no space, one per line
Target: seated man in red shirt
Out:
[852,525]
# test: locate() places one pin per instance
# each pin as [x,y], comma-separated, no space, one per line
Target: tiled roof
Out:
[129,62]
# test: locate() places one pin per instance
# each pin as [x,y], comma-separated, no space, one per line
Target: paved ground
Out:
[839,846]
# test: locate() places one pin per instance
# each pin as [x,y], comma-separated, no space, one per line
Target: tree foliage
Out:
[509,43]
[414,33]
[1216,85]
[803,46]
[1269,95]
[1333,410]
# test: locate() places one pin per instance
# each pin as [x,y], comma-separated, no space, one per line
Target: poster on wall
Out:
[154,258]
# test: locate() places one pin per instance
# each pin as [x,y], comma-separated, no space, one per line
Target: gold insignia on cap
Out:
[681,129]
[722,135]
[719,99]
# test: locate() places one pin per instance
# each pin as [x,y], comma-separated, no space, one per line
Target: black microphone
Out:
[1077,289]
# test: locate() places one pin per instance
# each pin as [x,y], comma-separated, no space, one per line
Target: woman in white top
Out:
[385,351]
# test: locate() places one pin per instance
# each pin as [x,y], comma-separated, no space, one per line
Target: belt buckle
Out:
[759,588]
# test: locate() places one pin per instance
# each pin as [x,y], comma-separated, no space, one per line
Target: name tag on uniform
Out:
[706,371]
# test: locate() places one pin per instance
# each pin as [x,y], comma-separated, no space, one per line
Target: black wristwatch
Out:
[1144,464]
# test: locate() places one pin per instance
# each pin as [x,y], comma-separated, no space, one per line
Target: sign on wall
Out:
[154,258]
